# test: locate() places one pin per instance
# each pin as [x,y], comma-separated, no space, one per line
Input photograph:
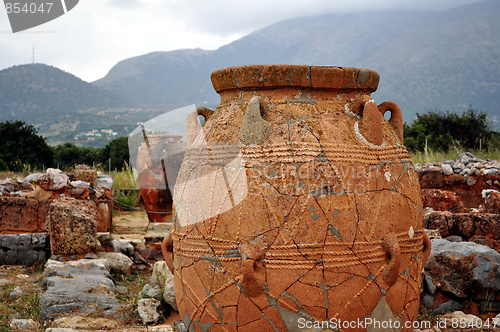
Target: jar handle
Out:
[167,251]
[253,277]
[427,247]
[370,125]
[205,112]
[254,129]
[192,126]
[391,272]
[396,119]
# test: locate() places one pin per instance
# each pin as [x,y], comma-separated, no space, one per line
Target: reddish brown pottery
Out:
[296,204]
[152,177]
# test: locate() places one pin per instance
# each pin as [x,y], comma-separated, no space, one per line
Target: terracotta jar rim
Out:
[253,77]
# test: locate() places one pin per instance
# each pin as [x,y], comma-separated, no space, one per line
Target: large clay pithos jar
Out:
[297,205]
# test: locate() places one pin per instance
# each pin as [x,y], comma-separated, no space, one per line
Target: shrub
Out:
[3,166]
[21,145]
[441,131]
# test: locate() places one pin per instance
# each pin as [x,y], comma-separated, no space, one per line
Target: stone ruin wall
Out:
[462,198]
[25,206]
[462,203]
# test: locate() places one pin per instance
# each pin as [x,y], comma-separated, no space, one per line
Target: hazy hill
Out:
[27,91]
[445,60]
[161,78]
[448,60]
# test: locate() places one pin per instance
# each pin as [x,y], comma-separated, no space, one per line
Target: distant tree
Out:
[21,147]
[117,151]
[442,130]
[69,155]
[65,154]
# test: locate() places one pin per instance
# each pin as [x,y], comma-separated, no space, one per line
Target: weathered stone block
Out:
[431,178]
[72,227]
[54,179]
[79,287]
[118,262]
[28,257]
[464,269]
[20,215]
[148,310]
[442,200]
[11,257]
[39,241]
[104,181]
[23,242]
[465,225]
[488,241]
[163,278]
[122,246]
[22,249]
[491,199]
[85,173]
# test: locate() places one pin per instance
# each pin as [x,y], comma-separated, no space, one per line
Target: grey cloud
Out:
[229,16]
[124,3]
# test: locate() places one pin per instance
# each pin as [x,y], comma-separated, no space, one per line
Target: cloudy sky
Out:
[96,34]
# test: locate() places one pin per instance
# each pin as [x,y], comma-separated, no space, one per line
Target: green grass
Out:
[124,179]
[32,307]
[492,153]
[135,283]
[126,201]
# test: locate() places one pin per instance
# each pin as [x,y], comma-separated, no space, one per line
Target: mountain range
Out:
[31,90]
[446,60]
[427,60]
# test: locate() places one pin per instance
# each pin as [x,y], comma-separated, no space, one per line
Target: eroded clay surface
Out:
[312,221]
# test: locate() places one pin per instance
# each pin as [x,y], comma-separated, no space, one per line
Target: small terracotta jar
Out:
[297,203]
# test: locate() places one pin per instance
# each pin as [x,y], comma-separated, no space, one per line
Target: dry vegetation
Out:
[26,282]
[452,154]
